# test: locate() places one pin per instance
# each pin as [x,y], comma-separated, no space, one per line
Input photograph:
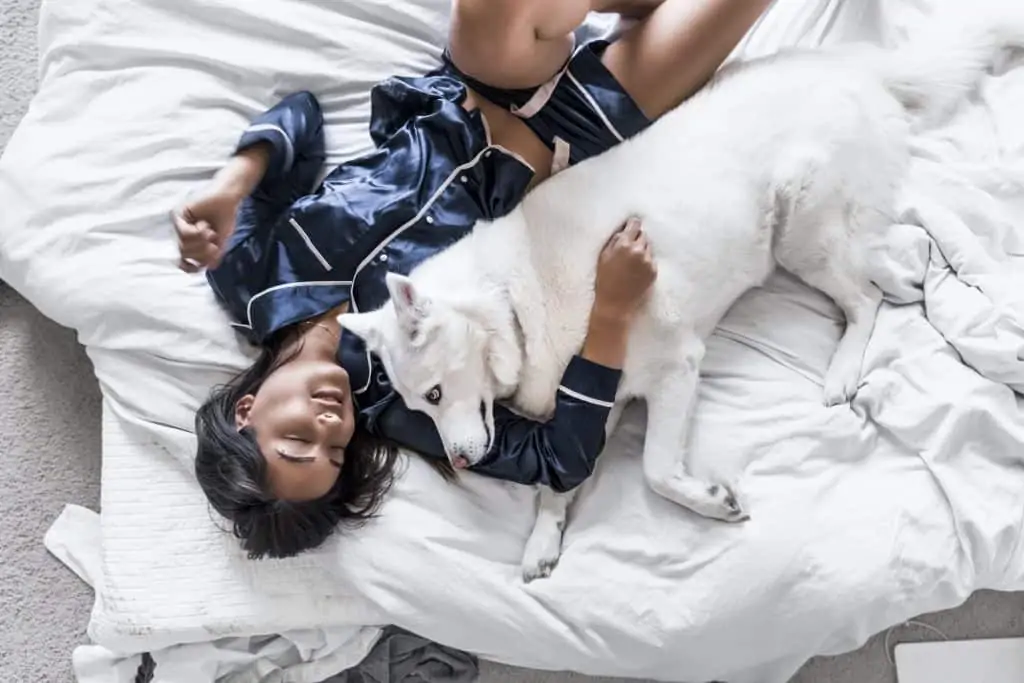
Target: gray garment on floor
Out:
[403,657]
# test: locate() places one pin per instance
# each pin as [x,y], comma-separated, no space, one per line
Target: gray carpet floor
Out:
[50,456]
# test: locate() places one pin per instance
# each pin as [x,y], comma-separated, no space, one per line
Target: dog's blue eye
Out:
[433,397]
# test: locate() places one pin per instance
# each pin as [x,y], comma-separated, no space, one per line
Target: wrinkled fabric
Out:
[307,656]
[403,657]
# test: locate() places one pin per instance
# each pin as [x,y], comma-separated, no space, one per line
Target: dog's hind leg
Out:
[827,256]
[670,403]
[861,309]
[544,547]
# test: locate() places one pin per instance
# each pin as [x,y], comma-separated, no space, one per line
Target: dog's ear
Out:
[366,326]
[411,307]
[504,359]
[500,341]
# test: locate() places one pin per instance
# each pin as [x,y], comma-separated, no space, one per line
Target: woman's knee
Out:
[672,53]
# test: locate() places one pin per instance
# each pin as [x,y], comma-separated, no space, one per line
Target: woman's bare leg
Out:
[677,48]
[513,43]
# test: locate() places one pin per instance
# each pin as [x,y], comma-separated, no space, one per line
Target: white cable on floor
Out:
[911,622]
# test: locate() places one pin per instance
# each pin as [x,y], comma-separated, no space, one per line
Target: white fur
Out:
[793,160]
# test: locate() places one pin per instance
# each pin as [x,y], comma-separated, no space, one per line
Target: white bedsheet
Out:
[862,517]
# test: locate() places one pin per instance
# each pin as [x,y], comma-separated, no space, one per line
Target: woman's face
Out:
[303,418]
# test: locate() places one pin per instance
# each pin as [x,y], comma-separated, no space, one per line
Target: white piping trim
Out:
[491,145]
[593,105]
[419,215]
[515,156]
[560,159]
[543,94]
[240,325]
[487,127]
[289,158]
[287,285]
[369,372]
[540,97]
[587,399]
[309,243]
[402,228]
[405,226]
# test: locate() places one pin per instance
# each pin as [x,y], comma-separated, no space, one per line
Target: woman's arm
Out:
[207,221]
[561,453]
[625,272]
[284,147]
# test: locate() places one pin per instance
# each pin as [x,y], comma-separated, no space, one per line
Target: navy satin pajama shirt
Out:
[300,250]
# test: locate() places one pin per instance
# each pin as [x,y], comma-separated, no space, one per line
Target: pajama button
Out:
[383,258]
[464,179]
[430,219]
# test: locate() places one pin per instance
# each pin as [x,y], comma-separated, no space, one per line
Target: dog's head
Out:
[446,358]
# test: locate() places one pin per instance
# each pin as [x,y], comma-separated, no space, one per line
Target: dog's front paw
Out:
[541,570]
[542,552]
[723,504]
[839,390]
[841,381]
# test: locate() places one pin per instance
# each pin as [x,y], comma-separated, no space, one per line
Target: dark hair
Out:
[232,472]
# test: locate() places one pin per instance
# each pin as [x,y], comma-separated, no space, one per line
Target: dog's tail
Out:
[941,64]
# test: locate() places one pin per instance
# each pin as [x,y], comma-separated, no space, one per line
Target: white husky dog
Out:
[793,160]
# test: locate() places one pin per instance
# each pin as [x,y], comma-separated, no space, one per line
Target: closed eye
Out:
[303,459]
[295,458]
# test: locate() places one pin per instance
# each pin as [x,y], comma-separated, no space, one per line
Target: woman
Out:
[305,439]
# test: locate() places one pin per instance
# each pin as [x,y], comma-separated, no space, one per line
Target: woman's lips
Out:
[330,396]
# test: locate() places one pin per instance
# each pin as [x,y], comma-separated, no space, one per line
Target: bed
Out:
[864,515]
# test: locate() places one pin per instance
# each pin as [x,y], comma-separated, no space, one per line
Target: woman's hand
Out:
[625,273]
[203,227]
[205,224]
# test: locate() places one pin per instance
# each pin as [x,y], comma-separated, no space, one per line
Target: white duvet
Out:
[863,516]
